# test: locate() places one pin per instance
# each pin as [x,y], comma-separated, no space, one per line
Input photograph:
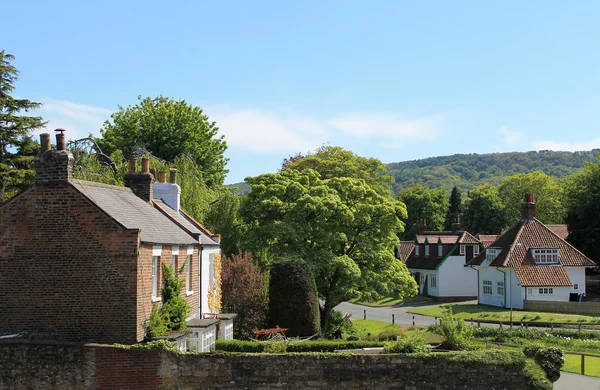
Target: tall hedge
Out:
[293,301]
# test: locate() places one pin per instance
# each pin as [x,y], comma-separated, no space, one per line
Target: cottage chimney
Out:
[170,192]
[422,226]
[141,183]
[53,166]
[455,222]
[528,208]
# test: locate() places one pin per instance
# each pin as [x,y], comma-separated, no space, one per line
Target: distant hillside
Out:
[469,170]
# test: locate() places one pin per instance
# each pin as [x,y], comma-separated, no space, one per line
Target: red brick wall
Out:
[67,270]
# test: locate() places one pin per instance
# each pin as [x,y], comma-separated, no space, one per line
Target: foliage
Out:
[387,335]
[484,211]
[243,288]
[582,201]
[156,323]
[535,377]
[341,227]
[339,324]
[548,197]
[293,300]
[455,208]
[275,347]
[168,129]
[467,171]
[16,169]
[174,308]
[407,345]
[223,217]
[500,359]
[423,203]
[454,330]
[215,296]
[550,359]
[292,346]
[160,346]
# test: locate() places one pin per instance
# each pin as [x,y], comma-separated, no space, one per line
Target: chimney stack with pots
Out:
[53,166]
[141,183]
[528,208]
[170,192]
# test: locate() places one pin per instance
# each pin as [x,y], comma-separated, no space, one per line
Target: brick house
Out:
[530,261]
[81,261]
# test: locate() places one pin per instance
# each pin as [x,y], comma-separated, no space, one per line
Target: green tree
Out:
[168,129]
[16,169]
[341,227]
[547,191]
[582,201]
[423,203]
[455,208]
[484,211]
[223,217]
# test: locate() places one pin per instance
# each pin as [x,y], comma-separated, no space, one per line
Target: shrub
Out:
[305,346]
[454,331]
[275,347]
[156,324]
[407,345]
[175,308]
[293,302]
[389,335]
[339,324]
[550,359]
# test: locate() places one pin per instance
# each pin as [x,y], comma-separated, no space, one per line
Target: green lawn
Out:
[573,364]
[365,327]
[391,301]
[479,312]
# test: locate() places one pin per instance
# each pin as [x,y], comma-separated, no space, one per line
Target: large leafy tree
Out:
[223,217]
[423,203]
[341,227]
[547,191]
[582,199]
[484,211]
[168,129]
[16,148]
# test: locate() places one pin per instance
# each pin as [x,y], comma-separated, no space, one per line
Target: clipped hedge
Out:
[505,334]
[305,346]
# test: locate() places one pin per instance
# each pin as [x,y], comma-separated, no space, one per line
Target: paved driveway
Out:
[569,381]
[385,313]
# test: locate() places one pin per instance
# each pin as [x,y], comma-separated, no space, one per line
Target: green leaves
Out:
[484,211]
[423,203]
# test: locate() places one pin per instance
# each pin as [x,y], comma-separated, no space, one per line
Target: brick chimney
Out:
[53,166]
[528,208]
[169,192]
[455,222]
[141,183]
[422,226]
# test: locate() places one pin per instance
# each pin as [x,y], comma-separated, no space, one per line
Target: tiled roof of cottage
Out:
[182,221]
[527,235]
[560,230]
[487,239]
[134,213]
[467,238]
[406,247]
[433,238]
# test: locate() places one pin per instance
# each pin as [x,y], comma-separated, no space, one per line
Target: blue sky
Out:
[395,80]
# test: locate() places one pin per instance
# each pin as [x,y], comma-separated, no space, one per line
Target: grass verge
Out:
[391,301]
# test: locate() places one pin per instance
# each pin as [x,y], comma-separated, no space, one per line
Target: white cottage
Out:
[529,262]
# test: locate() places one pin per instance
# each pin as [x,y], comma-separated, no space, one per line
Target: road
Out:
[385,313]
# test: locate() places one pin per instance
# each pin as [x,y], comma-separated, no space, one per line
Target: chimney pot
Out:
[173,176]
[145,165]
[528,208]
[132,165]
[529,198]
[153,172]
[45,141]
[60,139]
[162,177]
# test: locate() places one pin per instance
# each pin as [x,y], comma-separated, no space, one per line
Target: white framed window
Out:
[475,250]
[417,250]
[174,264]
[487,287]
[462,249]
[155,274]
[529,291]
[545,291]
[229,332]
[490,255]
[546,255]
[422,279]
[433,281]
[208,340]
[575,286]
[426,250]
[188,274]
[500,288]
[439,250]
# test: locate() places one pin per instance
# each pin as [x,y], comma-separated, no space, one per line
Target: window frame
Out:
[417,250]
[488,287]
[188,275]
[476,250]
[155,275]
[461,249]
[500,288]
[433,281]
[426,250]
[439,250]
[545,290]
[546,255]
[576,286]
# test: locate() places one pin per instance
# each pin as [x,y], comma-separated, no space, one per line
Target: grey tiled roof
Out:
[185,223]
[134,213]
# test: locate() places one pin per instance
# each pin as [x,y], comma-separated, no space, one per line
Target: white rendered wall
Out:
[577,276]
[495,276]
[455,279]
[558,294]
[432,291]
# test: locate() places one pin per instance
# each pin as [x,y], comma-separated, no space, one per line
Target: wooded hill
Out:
[469,170]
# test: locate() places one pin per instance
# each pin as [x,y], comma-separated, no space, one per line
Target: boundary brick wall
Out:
[592,308]
[67,270]
[24,364]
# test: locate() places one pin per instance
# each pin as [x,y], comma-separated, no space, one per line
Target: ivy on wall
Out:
[214,292]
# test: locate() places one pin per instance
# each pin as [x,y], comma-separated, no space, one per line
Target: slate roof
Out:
[529,234]
[134,213]
[406,247]
[430,262]
[487,239]
[184,222]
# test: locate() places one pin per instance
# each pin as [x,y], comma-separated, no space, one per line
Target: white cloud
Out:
[388,129]
[567,146]
[78,119]
[509,136]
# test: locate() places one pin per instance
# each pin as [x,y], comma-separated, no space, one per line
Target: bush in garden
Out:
[339,324]
[293,301]
[550,359]
[175,308]
[243,289]
[456,333]
[413,344]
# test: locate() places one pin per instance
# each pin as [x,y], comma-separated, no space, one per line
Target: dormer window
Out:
[439,250]
[417,250]
[490,255]
[462,249]
[545,255]
[475,250]
[426,250]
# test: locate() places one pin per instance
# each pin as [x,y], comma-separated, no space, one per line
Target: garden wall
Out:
[40,366]
[592,308]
